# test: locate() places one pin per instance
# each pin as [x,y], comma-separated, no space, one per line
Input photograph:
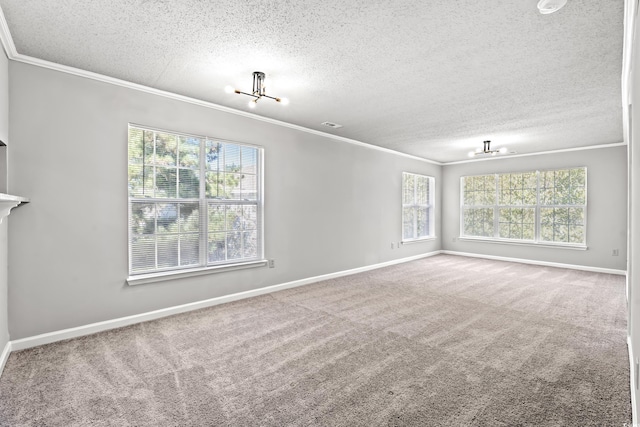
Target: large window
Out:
[193,202]
[542,206]
[417,207]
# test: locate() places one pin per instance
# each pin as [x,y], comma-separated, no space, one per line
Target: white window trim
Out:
[537,242]
[430,207]
[208,268]
[144,278]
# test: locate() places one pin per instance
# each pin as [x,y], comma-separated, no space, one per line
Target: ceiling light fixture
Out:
[486,149]
[258,91]
[549,6]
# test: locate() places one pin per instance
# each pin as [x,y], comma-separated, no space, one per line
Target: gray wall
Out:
[4,131]
[606,207]
[329,205]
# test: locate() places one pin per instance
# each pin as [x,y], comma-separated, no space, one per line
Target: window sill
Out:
[572,246]
[142,279]
[423,239]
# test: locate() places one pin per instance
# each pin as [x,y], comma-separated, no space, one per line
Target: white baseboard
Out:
[5,356]
[543,263]
[92,328]
[632,383]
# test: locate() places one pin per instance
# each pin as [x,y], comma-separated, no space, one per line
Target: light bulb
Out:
[503,150]
[252,104]
[284,101]
[228,89]
[472,153]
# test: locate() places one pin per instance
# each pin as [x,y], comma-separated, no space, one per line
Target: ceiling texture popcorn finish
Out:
[428,78]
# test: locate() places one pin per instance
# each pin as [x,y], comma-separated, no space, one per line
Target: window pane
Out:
[478,222]
[422,191]
[216,218]
[166,149]
[143,218]
[167,250]
[166,182]
[217,247]
[576,234]
[250,243]
[143,253]
[215,185]
[189,249]
[189,152]
[249,184]
[234,245]
[189,184]
[214,152]
[232,186]
[407,223]
[468,190]
[250,217]
[234,217]
[141,181]
[422,222]
[167,218]
[231,158]
[249,160]
[189,217]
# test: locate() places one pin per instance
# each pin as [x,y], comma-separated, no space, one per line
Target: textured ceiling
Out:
[428,78]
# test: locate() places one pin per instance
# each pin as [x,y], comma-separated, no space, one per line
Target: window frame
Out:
[429,208]
[204,266]
[538,207]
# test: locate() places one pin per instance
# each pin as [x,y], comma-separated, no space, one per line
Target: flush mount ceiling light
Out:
[549,6]
[258,92]
[486,150]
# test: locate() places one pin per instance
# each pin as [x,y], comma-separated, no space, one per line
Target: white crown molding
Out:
[93,328]
[12,54]
[541,153]
[5,37]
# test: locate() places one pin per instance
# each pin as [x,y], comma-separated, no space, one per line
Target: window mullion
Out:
[537,213]
[415,208]
[496,208]
[204,207]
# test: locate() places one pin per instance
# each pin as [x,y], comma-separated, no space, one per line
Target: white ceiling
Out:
[428,78]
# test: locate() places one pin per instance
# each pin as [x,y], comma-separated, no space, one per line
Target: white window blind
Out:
[194,201]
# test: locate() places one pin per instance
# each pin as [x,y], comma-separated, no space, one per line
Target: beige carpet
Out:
[444,341]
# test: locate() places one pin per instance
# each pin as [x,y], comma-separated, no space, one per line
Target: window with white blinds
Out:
[417,207]
[194,201]
[547,207]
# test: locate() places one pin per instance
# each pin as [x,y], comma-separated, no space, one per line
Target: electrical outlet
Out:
[615,252]
[272,263]
[393,246]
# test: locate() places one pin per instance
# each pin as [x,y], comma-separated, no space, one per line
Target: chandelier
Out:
[258,92]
